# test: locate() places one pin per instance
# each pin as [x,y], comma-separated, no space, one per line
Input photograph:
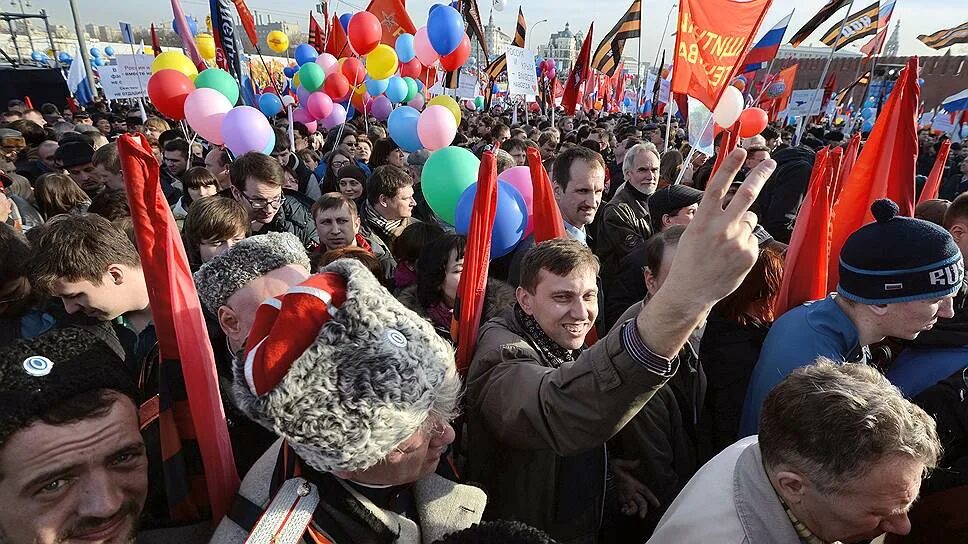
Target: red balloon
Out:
[458,57]
[354,71]
[364,32]
[168,90]
[752,122]
[411,69]
[337,87]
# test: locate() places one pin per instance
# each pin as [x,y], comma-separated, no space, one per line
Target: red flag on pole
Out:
[850,157]
[182,336]
[315,34]
[336,42]
[885,167]
[393,17]
[155,48]
[727,144]
[874,46]
[551,225]
[248,21]
[477,256]
[933,185]
[775,105]
[579,75]
[712,39]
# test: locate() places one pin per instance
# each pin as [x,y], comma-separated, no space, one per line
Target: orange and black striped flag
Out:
[500,64]
[860,24]
[864,79]
[826,12]
[609,53]
[472,16]
[946,37]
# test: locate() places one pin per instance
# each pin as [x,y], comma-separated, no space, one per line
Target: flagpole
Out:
[692,150]
[638,94]
[826,67]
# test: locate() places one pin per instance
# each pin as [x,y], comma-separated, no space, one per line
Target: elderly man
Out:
[361,392]
[839,458]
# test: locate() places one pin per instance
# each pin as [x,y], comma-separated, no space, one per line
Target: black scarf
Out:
[549,350]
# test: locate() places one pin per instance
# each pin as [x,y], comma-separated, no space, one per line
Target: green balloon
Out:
[479,102]
[219,80]
[311,76]
[447,172]
[411,89]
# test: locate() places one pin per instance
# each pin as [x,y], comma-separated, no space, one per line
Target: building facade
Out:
[563,47]
[497,42]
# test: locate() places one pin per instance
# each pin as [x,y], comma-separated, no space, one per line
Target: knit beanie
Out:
[899,259]
[342,370]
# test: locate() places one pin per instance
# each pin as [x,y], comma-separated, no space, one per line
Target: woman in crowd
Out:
[406,250]
[386,151]
[57,193]
[352,183]
[198,183]
[332,163]
[364,148]
[213,225]
[669,167]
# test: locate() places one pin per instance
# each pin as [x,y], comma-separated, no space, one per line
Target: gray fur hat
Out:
[342,370]
[220,278]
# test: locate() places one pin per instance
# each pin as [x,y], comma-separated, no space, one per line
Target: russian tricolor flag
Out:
[765,49]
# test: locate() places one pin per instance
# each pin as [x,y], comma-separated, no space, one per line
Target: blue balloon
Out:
[36,56]
[248,92]
[396,89]
[402,126]
[344,20]
[350,111]
[868,113]
[445,29]
[95,52]
[305,53]
[97,61]
[404,48]
[420,85]
[376,86]
[289,71]
[109,51]
[269,104]
[64,56]
[494,88]
[192,25]
[510,221]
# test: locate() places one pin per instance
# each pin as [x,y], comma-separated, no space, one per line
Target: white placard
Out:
[926,119]
[664,87]
[128,78]
[801,101]
[467,85]
[942,122]
[522,78]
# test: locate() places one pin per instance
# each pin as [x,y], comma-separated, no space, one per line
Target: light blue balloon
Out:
[402,126]
[109,51]
[97,61]
[95,52]
[868,113]
[867,126]
[37,56]
[269,104]
[396,89]
[376,86]
[270,144]
[404,48]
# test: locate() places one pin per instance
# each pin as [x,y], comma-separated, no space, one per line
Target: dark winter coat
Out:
[624,227]
[498,297]
[779,201]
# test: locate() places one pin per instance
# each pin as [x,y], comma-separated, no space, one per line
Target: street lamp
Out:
[532,30]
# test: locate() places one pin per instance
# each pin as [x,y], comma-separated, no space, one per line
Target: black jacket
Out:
[172,193]
[779,201]
[292,217]
[300,171]
[625,226]
[628,286]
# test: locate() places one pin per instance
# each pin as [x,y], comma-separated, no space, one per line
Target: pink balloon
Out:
[417,102]
[327,62]
[421,45]
[550,74]
[520,178]
[311,126]
[302,115]
[336,118]
[204,110]
[436,127]
[381,107]
[319,105]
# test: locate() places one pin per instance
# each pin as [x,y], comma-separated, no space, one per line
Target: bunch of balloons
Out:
[547,68]
[731,107]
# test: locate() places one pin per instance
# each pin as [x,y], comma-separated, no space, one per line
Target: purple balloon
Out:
[381,107]
[302,94]
[417,102]
[336,118]
[245,129]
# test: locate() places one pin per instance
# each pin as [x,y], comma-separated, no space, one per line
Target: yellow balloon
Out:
[382,62]
[295,79]
[278,41]
[173,60]
[447,102]
[206,46]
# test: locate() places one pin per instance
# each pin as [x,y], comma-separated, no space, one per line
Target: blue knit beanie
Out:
[899,259]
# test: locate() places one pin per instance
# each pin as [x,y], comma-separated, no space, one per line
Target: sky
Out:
[916,16]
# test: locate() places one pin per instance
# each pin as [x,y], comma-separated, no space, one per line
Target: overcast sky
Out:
[916,16]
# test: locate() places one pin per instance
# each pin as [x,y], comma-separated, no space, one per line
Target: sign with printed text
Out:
[467,85]
[522,78]
[128,78]
[664,86]
[804,102]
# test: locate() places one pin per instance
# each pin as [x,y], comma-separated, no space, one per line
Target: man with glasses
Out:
[257,182]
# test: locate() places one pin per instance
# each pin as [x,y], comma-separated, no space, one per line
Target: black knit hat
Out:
[38,374]
[899,259]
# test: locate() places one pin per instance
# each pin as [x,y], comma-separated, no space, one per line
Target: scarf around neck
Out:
[385,228]
[547,347]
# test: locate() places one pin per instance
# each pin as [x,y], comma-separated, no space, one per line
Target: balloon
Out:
[288,100]
[304,53]
[868,113]
[364,32]
[381,108]
[420,86]
[479,102]
[205,110]
[277,41]
[519,177]
[421,46]
[174,60]
[206,46]
[270,104]
[344,20]
[353,70]
[221,81]
[376,86]
[310,126]
[411,89]
[168,90]
[359,100]
[459,56]
[445,27]
[36,56]
[327,62]
[319,105]
[302,95]
[510,221]
[499,5]
[302,115]
[64,56]
[551,73]
[449,103]
[245,129]
[396,89]
[417,102]
[337,87]
[289,72]
[776,89]
[867,126]
[192,26]
[402,127]
[411,69]
[729,107]
[95,52]
[753,121]
[336,118]
[739,83]
[109,51]
[311,76]
[446,174]
[381,63]
[404,47]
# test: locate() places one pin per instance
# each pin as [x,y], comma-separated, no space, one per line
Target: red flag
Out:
[315,34]
[712,39]
[873,47]
[805,271]
[552,225]
[477,255]
[179,323]
[933,184]
[885,167]
[726,145]
[155,48]
[248,21]
[775,105]
[579,75]
[394,18]
[850,157]
[336,42]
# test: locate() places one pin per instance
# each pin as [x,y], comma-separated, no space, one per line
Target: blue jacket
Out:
[797,338]
[919,368]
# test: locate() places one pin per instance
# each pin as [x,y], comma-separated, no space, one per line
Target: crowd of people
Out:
[631,382]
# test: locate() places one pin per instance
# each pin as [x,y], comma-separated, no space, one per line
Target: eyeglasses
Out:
[339,164]
[262,203]
[434,427]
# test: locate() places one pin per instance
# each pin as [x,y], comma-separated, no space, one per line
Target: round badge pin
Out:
[396,338]
[38,365]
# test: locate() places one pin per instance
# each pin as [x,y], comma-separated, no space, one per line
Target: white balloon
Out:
[499,4]
[288,100]
[729,107]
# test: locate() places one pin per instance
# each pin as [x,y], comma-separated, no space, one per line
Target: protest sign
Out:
[522,78]
[804,102]
[126,79]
